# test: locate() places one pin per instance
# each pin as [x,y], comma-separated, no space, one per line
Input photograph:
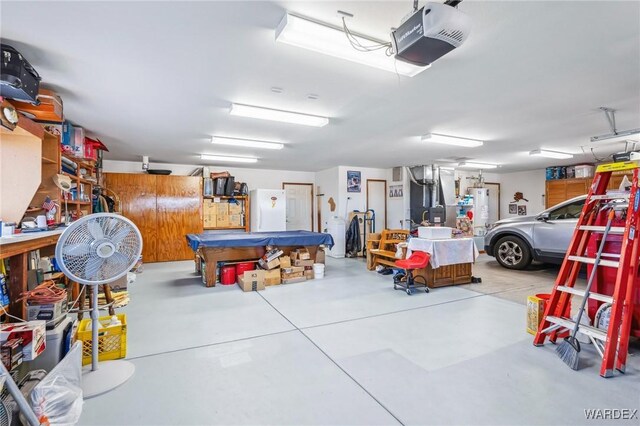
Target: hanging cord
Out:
[45,293]
[356,44]
[80,293]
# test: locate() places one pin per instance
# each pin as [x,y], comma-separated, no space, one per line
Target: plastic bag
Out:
[57,399]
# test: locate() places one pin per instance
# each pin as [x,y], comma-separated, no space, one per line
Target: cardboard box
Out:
[12,353]
[235,220]
[535,312]
[48,312]
[308,274]
[209,208]
[235,209]
[303,263]
[293,280]
[272,277]
[269,265]
[300,254]
[222,221]
[320,256]
[210,221]
[32,333]
[285,261]
[292,269]
[120,284]
[252,280]
[222,209]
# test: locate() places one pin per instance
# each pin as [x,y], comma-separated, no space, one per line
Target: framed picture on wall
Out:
[522,210]
[513,208]
[354,181]
[395,191]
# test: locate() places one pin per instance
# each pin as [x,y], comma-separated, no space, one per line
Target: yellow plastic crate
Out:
[112,341]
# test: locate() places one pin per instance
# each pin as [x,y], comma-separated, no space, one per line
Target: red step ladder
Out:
[612,345]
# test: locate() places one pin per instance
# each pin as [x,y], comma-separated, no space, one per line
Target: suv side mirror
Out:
[544,216]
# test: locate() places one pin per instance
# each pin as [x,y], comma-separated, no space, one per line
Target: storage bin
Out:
[112,340]
[584,171]
[434,232]
[551,173]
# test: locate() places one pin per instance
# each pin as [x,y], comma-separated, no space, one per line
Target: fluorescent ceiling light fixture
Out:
[550,154]
[229,159]
[470,165]
[250,143]
[278,115]
[331,40]
[451,140]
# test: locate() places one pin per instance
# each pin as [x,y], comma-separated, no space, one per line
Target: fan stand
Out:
[110,374]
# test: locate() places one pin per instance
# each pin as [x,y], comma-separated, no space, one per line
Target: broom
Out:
[569,349]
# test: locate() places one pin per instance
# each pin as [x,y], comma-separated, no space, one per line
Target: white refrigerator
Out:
[268,210]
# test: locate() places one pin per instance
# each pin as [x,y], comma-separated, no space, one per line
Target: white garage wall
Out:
[327,185]
[254,178]
[530,183]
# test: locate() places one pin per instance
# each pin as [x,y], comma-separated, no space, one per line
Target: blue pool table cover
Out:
[257,239]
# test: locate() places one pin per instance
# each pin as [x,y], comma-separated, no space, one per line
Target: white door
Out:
[377,201]
[299,206]
[494,202]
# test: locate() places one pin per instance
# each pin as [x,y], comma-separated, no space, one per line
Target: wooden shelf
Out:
[34,209]
[87,163]
[46,160]
[85,181]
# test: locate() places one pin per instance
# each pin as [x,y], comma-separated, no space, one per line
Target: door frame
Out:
[303,184]
[385,198]
[499,192]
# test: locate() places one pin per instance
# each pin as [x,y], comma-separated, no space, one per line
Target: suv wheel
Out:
[512,252]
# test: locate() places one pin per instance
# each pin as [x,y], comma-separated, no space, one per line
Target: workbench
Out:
[213,247]
[16,248]
[451,260]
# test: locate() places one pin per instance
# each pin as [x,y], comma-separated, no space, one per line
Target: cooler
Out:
[56,347]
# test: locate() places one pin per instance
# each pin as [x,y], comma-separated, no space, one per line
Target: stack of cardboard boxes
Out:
[274,269]
[222,214]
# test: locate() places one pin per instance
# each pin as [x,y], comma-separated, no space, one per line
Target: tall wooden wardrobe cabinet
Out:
[165,209]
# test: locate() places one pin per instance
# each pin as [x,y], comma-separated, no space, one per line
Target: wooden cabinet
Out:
[137,194]
[560,190]
[165,209]
[178,201]
[446,275]
[50,167]
[20,168]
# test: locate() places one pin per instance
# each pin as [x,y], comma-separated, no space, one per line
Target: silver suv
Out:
[517,241]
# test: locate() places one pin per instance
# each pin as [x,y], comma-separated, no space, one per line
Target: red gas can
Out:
[228,275]
[244,266]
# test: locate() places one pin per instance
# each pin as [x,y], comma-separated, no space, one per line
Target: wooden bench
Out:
[385,254]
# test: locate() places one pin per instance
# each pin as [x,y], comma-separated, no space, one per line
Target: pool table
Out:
[215,247]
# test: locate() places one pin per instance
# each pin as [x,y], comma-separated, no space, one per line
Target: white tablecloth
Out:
[449,251]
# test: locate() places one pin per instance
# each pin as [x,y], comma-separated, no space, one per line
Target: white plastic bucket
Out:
[318,270]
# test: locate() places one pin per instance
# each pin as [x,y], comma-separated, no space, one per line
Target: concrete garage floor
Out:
[346,350]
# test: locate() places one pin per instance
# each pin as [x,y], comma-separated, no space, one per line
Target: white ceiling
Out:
[157,79]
